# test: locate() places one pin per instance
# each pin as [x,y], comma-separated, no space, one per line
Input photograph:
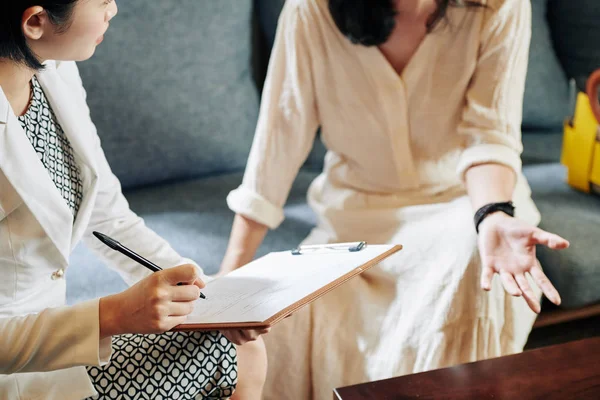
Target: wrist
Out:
[492,219]
[109,321]
[493,211]
[236,257]
[230,264]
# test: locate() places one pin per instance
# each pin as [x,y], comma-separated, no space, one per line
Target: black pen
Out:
[113,244]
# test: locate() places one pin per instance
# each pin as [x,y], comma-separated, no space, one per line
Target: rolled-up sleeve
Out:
[491,120]
[287,122]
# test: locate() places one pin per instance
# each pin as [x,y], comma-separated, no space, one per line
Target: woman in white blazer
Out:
[56,187]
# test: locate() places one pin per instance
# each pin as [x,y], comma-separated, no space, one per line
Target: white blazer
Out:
[44,345]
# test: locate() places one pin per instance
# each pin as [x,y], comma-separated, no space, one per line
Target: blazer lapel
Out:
[23,169]
[73,115]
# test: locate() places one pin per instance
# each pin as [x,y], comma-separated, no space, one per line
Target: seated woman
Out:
[55,189]
[420,107]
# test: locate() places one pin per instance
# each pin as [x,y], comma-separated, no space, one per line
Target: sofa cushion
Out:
[194,217]
[576,33]
[170,89]
[575,216]
[268,14]
[541,147]
[546,100]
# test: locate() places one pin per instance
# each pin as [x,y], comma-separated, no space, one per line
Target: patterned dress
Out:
[52,147]
[196,365]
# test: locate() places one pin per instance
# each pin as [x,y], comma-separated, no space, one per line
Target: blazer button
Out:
[58,274]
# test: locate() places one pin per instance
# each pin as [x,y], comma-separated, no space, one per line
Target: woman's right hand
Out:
[156,304]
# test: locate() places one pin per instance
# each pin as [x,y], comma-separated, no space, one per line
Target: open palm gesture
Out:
[507,247]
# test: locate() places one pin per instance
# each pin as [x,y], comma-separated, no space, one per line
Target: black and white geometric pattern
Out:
[52,147]
[174,365]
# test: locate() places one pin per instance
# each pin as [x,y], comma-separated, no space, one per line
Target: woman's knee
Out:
[252,358]
[252,370]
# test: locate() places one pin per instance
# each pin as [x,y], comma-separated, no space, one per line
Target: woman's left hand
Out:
[507,247]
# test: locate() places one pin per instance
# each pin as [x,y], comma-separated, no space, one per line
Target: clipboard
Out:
[311,272]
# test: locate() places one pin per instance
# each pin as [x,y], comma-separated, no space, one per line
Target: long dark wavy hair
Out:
[370,22]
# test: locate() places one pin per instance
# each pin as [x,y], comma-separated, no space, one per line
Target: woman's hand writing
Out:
[156,304]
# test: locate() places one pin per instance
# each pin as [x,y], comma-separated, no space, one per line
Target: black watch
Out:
[506,207]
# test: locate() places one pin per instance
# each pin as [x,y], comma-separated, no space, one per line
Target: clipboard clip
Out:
[350,247]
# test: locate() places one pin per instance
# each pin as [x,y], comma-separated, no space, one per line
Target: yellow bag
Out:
[581,141]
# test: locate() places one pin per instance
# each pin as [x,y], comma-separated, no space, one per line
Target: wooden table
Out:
[566,371]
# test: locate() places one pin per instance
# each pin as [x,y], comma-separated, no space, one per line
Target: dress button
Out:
[58,274]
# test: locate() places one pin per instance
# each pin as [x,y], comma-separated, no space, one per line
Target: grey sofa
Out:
[174,91]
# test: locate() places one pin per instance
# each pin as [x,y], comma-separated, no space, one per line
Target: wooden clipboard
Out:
[275,318]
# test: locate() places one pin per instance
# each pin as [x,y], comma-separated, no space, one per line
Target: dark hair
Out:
[370,22]
[13,45]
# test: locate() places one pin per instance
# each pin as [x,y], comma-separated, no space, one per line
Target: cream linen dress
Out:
[398,150]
